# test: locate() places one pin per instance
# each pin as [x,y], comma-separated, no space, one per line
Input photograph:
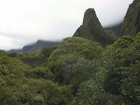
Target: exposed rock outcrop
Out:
[92,29]
[131,24]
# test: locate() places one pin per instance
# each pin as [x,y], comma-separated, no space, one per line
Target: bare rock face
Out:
[131,24]
[92,29]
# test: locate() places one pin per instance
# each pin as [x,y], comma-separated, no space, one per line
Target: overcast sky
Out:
[25,21]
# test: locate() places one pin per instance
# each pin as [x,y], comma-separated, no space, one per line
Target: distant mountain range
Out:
[94,66]
[115,28]
[92,29]
[40,44]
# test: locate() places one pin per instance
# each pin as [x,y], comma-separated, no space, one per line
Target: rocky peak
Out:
[92,29]
[131,24]
[89,16]
[91,19]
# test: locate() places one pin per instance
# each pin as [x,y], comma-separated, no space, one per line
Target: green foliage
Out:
[131,23]
[32,59]
[47,51]
[123,42]
[71,61]
[35,91]
[75,72]
[40,72]
[117,79]
[124,54]
[76,46]
[22,85]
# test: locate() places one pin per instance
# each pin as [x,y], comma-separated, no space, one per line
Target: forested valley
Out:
[77,71]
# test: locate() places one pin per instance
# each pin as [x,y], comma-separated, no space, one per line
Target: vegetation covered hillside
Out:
[131,24]
[40,44]
[22,85]
[77,71]
[92,29]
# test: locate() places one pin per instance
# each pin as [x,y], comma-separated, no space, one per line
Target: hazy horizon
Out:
[23,22]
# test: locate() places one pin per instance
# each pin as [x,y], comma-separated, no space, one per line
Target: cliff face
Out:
[92,29]
[131,24]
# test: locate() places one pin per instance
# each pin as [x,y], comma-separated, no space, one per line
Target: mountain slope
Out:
[40,44]
[92,29]
[115,28]
[131,24]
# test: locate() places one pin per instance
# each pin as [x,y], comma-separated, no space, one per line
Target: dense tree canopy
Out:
[75,72]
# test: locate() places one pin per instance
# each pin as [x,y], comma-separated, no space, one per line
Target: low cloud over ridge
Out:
[25,21]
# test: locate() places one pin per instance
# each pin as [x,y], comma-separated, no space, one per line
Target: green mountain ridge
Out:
[131,23]
[92,29]
[40,44]
[77,71]
[37,46]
